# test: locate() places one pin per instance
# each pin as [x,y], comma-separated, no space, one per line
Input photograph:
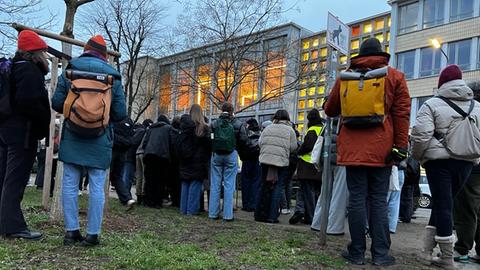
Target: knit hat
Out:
[30,41]
[371,47]
[450,73]
[313,115]
[97,44]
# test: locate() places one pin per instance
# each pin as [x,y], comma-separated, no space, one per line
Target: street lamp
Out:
[437,45]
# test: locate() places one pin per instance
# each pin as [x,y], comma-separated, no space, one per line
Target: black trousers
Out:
[156,176]
[406,203]
[467,216]
[16,160]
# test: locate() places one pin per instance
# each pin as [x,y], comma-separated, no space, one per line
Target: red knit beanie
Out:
[450,73]
[30,41]
[97,43]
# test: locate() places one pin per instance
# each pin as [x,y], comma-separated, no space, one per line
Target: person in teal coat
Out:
[94,155]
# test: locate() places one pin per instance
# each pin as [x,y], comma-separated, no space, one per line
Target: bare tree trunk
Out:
[69,18]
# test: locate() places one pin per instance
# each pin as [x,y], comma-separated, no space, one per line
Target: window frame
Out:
[401,17]
[454,59]
[401,64]
[436,60]
[438,10]
[461,16]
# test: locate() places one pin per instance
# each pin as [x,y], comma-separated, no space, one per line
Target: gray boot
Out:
[429,244]
[445,261]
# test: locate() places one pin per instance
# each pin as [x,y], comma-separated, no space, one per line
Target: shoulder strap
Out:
[456,108]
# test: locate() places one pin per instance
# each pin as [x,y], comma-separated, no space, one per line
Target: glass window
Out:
[321,89]
[300,127]
[311,91]
[313,79]
[301,116]
[302,92]
[306,44]
[313,66]
[323,64]
[353,55]
[355,44]
[323,40]
[305,56]
[407,18]
[387,48]
[323,52]
[301,104]
[315,43]
[303,81]
[459,53]
[461,9]
[315,54]
[379,37]
[389,21]
[323,77]
[430,59]
[367,28]
[343,60]
[388,36]
[355,30]
[406,63]
[379,24]
[311,103]
[433,12]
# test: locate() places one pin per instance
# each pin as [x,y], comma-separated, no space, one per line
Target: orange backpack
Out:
[87,106]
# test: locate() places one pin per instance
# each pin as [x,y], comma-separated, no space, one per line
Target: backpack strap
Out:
[458,109]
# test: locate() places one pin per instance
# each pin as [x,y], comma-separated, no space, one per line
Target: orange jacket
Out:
[371,146]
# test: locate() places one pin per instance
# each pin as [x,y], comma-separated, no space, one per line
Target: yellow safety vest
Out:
[308,157]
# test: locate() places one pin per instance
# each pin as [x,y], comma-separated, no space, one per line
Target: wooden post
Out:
[47,176]
[56,211]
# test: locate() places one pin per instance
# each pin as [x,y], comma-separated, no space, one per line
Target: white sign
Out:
[337,34]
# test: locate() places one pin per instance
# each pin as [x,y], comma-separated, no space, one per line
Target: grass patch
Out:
[163,239]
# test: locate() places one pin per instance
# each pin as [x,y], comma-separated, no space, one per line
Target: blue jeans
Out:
[270,194]
[223,169]
[251,171]
[190,199]
[96,199]
[124,185]
[368,188]
[393,200]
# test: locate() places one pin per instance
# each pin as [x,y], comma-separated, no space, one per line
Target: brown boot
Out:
[429,244]
[445,261]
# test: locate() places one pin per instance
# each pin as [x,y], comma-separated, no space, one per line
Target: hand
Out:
[397,155]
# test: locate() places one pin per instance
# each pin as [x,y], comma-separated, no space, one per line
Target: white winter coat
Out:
[436,115]
[276,143]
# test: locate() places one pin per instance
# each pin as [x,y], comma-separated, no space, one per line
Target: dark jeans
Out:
[268,204]
[116,167]
[286,200]
[310,192]
[124,186]
[406,203]
[251,172]
[156,176]
[467,216]
[368,188]
[16,161]
[446,178]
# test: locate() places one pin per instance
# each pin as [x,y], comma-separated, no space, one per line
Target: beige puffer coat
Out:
[276,143]
[436,116]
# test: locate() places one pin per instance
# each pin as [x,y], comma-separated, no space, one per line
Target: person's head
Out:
[163,119]
[252,124]
[31,47]
[196,113]
[371,47]
[96,46]
[313,117]
[147,122]
[227,107]
[281,115]
[449,73]
[176,122]
[475,86]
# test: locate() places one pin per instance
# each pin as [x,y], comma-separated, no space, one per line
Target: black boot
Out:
[296,218]
[90,240]
[139,200]
[72,237]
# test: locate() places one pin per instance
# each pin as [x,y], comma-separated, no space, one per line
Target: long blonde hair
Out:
[197,116]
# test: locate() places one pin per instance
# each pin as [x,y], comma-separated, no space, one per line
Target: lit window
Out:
[319,102]
[355,30]
[367,28]
[355,44]
[323,64]
[314,54]
[429,61]
[306,44]
[461,9]
[323,77]
[433,12]
[300,127]
[311,103]
[459,53]
[388,36]
[323,52]
[301,104]
[313,79]
[379,37]
[387,49]
[406,63]
[353,55]
[301,116]
[343,60]
[408,18]
[303,81]
[315,43]
[311,91]
[313,66]
[305,68]
[323,40]
[302,92]
[321,89]
[389,21]
[305,56]
[379,24]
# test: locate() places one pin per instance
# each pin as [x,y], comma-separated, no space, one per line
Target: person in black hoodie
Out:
[139,168]
[21,129]
[309,177]
[251,169]
[174,184]
[194,151]
[157,161]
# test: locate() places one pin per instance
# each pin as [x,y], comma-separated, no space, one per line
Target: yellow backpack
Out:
[362,98]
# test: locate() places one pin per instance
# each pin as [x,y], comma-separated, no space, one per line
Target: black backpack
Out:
[5,98]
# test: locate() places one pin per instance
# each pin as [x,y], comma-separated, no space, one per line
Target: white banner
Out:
[337,34]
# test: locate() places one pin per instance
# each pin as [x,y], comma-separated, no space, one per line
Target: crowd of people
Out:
[376,158]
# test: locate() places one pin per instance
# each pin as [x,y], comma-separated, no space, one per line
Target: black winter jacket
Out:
[157,140]
[195,168]
[31,108]
[135,140]
[123,133]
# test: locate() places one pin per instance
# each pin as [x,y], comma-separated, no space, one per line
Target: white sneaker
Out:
[286,211]
[130,204]
[80,193]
